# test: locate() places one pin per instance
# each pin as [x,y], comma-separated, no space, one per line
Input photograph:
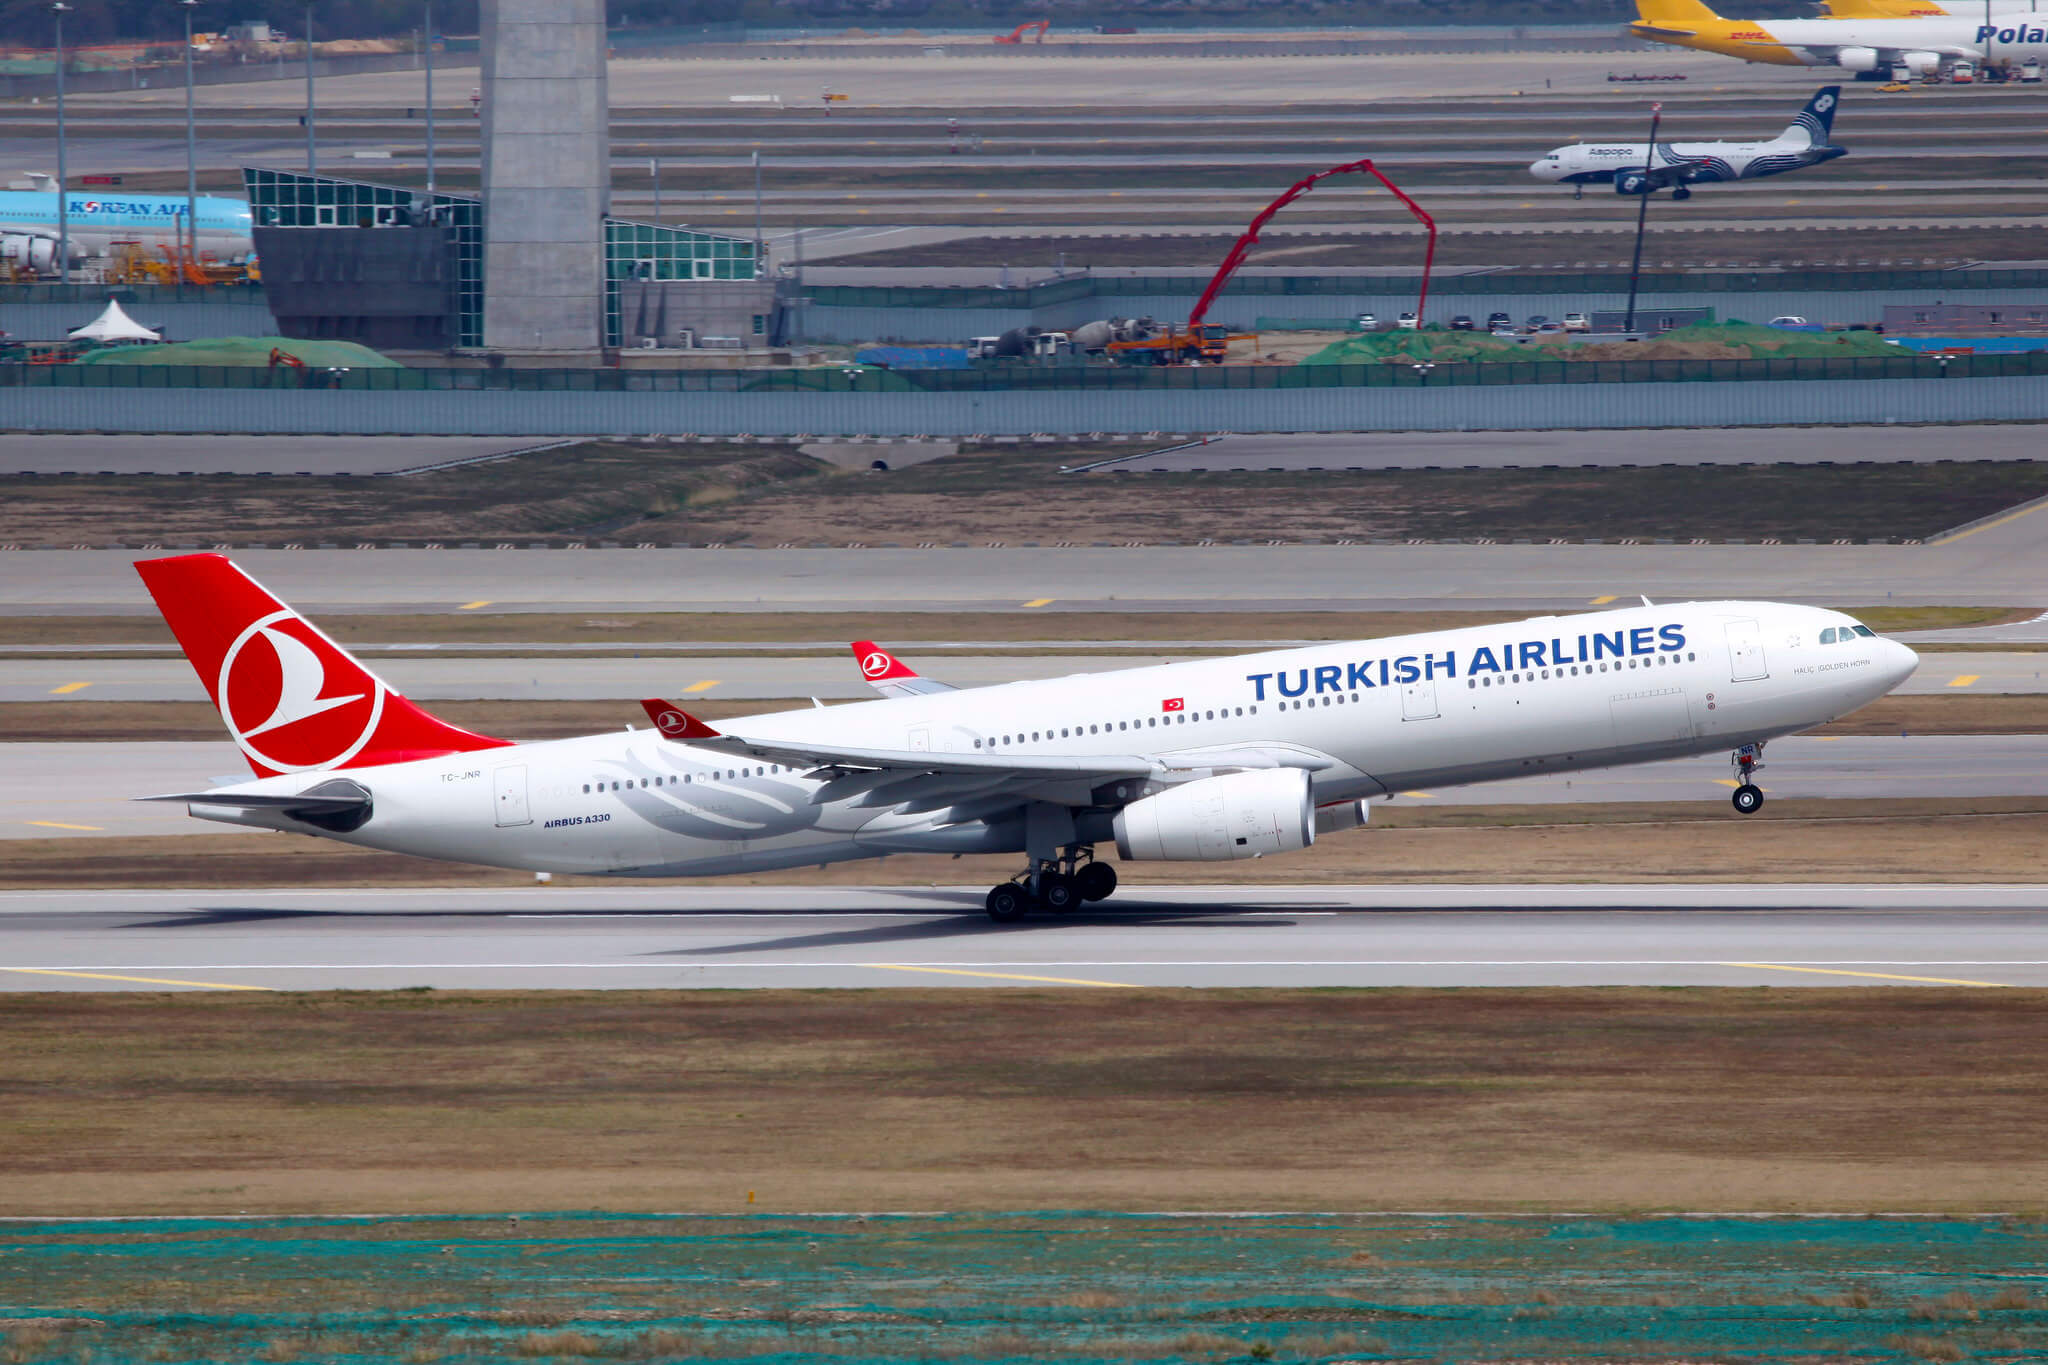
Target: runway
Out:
[106,453]
[2004,563]
[683,936]
[427,677]
[84,791]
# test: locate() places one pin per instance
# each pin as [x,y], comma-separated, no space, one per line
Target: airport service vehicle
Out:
[1207,761]
[95,221]
[1636,168]
[1926,45]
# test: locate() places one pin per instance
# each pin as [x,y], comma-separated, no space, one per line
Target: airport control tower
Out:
[546,176]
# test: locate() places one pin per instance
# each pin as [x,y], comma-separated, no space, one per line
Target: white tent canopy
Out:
[113,325]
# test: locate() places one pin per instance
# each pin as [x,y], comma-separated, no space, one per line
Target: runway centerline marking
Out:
[59,824]
[68,688]
[143,980]
[998,976]
[1875,976]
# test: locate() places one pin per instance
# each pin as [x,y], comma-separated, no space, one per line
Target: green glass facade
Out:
[647,251]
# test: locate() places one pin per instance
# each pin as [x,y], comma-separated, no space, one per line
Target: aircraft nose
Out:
[1898,663]
[1539,169]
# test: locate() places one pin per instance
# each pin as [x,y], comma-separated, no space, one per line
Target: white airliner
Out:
[1212,760]
[1637,168]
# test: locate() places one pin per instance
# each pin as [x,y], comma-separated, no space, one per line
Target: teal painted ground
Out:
[1051,1286]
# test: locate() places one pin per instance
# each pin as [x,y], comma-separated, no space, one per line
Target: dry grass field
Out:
[1604,1100]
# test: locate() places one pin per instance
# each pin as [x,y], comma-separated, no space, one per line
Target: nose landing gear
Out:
[1057,884]
[1748,798]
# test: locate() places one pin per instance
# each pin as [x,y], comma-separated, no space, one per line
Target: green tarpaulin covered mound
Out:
[251,351]
[1732,340]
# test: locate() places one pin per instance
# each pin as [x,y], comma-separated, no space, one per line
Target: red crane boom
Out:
[1250,238]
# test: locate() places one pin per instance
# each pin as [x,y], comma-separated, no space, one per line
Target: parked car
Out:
[1537,320]
[1577,322]
[1496,321]
[1367,322]
[1792,322]
[1895,87]
[1462,323]
[1547,329]
[1407,322]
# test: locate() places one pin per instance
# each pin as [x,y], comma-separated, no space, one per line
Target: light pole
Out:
[430,104]
[1635,268]
[312,164]
[191,150]
[57,12]
[654,174]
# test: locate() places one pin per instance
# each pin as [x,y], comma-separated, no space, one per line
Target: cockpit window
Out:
[1827,637]
[1866,632]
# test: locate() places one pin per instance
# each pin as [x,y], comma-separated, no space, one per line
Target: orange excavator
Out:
[280,357]
[1016,35]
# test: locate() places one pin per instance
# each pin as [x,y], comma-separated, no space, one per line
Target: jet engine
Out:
[1857,59]
[28,251]
[1920,63]
[1219,819]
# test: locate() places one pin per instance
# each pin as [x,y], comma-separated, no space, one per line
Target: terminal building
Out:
[393,269]
[535,270]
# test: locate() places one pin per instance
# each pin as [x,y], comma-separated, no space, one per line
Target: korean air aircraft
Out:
[1208,761]
[28,223]
[1921,45]
[1635,168]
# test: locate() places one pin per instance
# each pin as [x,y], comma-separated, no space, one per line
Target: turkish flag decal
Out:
[1174,704]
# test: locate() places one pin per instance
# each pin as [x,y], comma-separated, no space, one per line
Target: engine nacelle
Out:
[1857,59]
[1218,819]
[26,250]
[1920,63]
[1633,182]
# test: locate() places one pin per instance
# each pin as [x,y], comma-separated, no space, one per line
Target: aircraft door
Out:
[1746,661]
[921,739]
[1418,700]
[510,782]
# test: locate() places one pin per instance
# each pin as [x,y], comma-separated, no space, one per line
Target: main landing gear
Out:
[1749,797]
[1058,884]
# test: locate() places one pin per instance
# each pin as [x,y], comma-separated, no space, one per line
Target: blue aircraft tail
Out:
[1817,119]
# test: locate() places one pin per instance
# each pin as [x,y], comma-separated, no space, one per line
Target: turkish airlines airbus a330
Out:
[1213,760]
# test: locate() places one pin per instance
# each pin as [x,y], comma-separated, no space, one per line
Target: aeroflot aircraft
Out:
[1868,47]
[1633,168]
[1211,760]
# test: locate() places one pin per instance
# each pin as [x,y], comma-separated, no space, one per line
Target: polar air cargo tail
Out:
[1212,760]
[1636,168]
[1869,47]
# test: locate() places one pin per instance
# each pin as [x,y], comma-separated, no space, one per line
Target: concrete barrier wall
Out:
[1529,408]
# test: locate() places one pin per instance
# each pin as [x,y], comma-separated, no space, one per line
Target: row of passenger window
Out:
[731,774]
[1572,670]
[1111,727]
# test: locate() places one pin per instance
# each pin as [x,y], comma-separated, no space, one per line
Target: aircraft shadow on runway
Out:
[977,925]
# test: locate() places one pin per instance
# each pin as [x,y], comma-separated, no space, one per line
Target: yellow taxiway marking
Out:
[1731,783]
[1991,525]
[1964,679]
[1874,976]
[704,686]
[998,976]
[472,606]
[68,688]
[1601,601]
[1038,602]
[144,980]
[1790,202]
[59,824]
[1419,796]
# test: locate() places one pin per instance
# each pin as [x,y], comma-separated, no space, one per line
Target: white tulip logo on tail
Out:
[876,664]
[281,692]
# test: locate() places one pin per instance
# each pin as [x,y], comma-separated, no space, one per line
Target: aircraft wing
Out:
[921,775]
[890,676]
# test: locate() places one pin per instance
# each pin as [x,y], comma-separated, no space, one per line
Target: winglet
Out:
[674,722]
[878,664]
